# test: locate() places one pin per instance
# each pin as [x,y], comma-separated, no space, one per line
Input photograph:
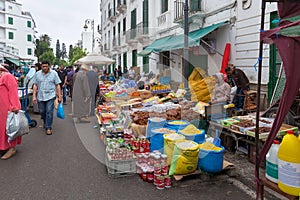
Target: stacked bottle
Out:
[289,164]
[272,162]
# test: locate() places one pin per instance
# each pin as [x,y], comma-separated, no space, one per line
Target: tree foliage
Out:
[57,50]
[77,54]
[42,45]
[49,56]
[63,52]
[70,52]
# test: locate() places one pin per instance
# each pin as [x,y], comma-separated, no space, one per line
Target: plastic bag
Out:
[60,113]
[16,125]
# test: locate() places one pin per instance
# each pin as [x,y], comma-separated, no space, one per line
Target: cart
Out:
[25,103]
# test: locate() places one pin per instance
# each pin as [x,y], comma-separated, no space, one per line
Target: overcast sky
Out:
[62,19]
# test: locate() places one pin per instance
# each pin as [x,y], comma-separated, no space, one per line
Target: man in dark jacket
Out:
[242,82]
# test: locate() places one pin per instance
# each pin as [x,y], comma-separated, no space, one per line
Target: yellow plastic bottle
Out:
[289,164]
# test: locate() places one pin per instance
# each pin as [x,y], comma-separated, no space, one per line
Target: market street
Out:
[61,167]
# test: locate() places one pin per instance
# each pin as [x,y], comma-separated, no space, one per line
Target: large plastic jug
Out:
[272,162]
[289,164]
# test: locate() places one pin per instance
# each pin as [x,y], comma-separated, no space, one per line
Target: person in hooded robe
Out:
[81,95]
[221,90]
[93,84]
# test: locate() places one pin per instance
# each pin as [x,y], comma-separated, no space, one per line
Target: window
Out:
[29,38]
[145,16]
[134,58]
[133,24]
[29,24]
[146,64]
[124,26]
[10,35]
[125,60]
[164,6]
[195,5]
[119,33]
[29,51]
[10,20]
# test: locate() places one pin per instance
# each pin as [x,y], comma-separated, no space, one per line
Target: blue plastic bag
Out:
[60,113]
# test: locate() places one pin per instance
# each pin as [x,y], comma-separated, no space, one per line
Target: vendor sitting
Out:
[221,90]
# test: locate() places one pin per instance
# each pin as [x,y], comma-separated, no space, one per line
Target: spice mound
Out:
[190,129]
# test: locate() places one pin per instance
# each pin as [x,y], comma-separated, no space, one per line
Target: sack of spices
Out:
[185,158]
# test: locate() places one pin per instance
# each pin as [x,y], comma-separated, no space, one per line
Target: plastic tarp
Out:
[177,42]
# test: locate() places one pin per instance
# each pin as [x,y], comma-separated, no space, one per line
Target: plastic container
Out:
[157,141]
[199,137]
[154,123]
[211,161]
[173,126]
[289,164]
[169,144]
[272,162]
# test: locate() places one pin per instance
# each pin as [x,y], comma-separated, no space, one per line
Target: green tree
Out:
[63,52]
[77,54]
[70,52]
[57,50]
[49,56]
[42,45]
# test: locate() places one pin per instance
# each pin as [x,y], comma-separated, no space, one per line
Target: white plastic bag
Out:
[16,125]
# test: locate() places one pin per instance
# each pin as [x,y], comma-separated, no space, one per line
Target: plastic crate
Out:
[119,168]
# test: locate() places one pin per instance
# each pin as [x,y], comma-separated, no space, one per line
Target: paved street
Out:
[68,165]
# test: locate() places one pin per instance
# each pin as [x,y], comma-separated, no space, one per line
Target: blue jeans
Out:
[46,109]
[239,98]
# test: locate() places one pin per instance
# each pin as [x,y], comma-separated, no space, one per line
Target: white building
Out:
[17,32]
[130,26]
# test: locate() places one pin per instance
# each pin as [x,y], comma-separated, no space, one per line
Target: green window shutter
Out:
[10,35]
[146,64]
[125,60]
[133,24]
[10,20]
[164,6]
[124,26]
[145,16]
[29,51]
[29,38]
[119,33]
[29,24]
[195,5]
[134,58]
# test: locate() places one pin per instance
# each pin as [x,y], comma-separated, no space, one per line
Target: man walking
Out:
[93,79]
[45,88]
[63,75]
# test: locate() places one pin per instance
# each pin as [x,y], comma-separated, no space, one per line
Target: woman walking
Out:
[9,101]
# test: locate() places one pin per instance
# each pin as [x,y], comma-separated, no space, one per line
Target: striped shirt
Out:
[46,84]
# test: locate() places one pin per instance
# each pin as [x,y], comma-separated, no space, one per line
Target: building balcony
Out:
[196,14]
[131,37]
[121,6]
[142,32]
[112,15]
[116,44]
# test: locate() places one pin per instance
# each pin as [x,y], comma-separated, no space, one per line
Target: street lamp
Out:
[186,46]
[90,22]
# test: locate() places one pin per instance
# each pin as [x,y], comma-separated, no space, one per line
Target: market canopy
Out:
[17,61]
[95,59]
[177,42]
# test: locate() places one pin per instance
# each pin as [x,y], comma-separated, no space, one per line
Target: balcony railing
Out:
[111,12]
[142,29]
[121,2]
[130,35]
[178,7]
[121,6]
[194,6]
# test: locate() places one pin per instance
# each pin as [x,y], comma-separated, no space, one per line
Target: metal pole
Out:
[186,43]
[258,184]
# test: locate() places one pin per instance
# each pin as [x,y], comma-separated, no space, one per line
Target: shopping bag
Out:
[60,113]
[16,125]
